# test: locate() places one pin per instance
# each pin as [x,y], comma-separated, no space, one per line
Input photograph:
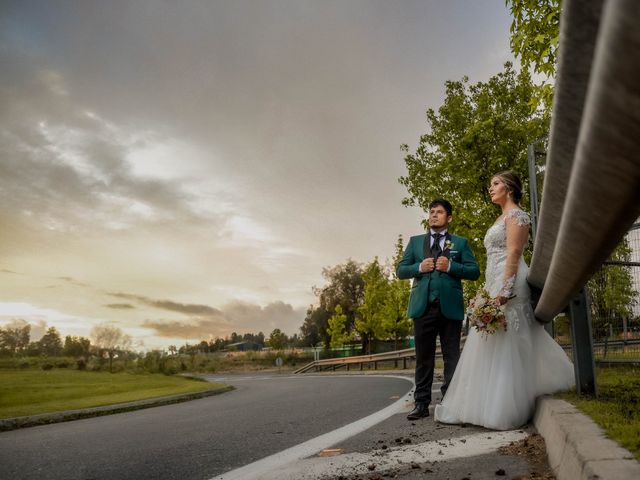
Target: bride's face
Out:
[498,191]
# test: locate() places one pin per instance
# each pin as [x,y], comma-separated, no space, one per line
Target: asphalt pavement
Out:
[199,439]
[318,426]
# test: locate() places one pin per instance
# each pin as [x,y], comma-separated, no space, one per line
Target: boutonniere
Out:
[448,245]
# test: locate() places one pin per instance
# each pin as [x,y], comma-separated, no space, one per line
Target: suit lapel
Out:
[426,248]
[447,241]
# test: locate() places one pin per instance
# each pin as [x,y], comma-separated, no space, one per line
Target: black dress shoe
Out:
[421,410]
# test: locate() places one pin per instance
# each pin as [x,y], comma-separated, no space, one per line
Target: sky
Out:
[185,170]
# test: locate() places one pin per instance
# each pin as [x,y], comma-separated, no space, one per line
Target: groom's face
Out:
[438,217]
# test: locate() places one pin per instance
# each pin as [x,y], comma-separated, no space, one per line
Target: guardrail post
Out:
[533,186]
[582,342]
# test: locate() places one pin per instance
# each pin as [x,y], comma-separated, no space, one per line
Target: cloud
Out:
[78,166]
[186,308]
[230,153]
[120,306]
[206,322]
[73,281]
[202,329]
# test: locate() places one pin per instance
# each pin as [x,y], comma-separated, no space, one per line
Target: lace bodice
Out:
[495,242]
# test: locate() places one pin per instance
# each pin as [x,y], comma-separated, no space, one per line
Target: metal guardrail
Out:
[361,361]
[372,361]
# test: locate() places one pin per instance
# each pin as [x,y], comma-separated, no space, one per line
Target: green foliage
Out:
[76,346]
[110,340]
[36,362]
[611,292]
[14,337]
[277,339]
[535,32]
[345,287]
[617,408]
[314,327]
[50,344]
[480,130]
[337,329]
[370,322]
[396,322]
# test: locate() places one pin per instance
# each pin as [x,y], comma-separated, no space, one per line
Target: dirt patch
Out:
[534,450]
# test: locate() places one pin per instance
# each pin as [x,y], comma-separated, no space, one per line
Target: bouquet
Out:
[486,314]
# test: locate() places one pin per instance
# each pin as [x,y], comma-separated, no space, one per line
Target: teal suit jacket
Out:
[463,265]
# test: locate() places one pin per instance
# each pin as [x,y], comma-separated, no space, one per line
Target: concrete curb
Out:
[577,448]
[55,417]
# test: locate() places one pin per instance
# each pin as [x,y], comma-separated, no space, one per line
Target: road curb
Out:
[68,415]
[577,448]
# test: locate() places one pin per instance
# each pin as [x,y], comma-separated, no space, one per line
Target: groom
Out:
[437,262]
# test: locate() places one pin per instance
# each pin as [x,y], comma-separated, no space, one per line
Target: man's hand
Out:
[427,265]
[442,264]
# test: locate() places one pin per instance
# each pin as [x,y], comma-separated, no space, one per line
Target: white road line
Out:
[257,470]
[357,463]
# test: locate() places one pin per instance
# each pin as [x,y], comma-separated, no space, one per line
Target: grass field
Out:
[617,408]
[30,392]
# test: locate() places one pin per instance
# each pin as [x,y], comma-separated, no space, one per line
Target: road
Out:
[200,439]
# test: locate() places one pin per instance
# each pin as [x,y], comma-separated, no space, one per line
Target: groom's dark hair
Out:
[443,203]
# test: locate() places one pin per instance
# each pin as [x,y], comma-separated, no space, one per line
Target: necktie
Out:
[435,248]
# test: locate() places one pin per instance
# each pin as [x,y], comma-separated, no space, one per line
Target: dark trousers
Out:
[427,328]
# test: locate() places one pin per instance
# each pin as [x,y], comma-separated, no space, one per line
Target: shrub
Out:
[81,363]
[46,366]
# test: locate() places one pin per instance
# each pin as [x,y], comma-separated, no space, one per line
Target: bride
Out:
[500,375]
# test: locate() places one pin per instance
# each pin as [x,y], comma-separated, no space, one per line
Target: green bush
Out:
[81,364]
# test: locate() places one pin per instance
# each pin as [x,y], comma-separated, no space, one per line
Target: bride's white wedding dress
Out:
[499,376]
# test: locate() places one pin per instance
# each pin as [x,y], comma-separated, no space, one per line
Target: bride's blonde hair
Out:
[513,183]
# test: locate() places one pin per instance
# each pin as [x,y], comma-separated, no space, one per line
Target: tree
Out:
[479,130]
[278,339]
[370,321]
[76,346]
[14,337]
[344,287]
[51,344]
[396,322]
[314,327]
[296,341]
[110,340]
[611,292]
[535,31]
[338,329]
[394,311]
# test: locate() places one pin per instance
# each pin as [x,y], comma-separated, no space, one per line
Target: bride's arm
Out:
[517,227]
